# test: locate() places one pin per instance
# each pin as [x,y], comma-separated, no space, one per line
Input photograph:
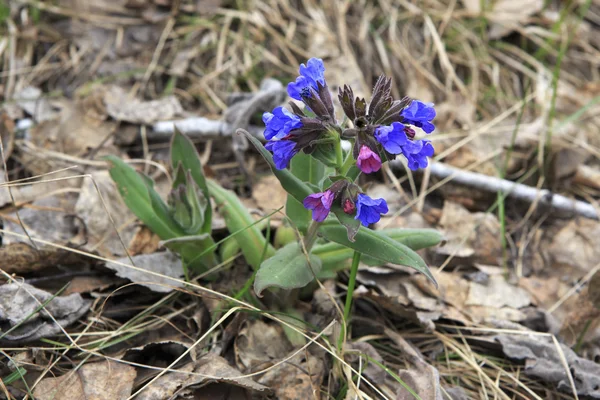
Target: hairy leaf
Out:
[289,268]
[239,221]
[376,245]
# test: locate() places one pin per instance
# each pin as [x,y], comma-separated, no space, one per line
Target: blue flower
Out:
[283,151]
[320,203]
[416,153]
[280,123]
[310,74]
[369,210]
[394,140]
[419,114]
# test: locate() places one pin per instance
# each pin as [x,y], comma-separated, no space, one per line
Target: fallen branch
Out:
[511,189]
[199,127]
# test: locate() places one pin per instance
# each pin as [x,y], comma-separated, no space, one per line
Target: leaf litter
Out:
[117,71]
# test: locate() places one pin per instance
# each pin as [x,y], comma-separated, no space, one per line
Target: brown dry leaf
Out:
[98,197]
[269,195]
[164,263]
[123,108]
[373,372]
[577,246]
[49,218]
[19,305]
[509,15]
[144,241]
[22,258]
[93,381]
[542,360]
[413,297]
[423,378]
[77,130]
[297,378]
[470,236]
[259,345]
[91,283]
[174,385]
[497,293]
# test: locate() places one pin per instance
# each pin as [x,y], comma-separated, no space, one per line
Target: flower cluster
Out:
[368,210]
[386,127]
[381,130]
[291,132]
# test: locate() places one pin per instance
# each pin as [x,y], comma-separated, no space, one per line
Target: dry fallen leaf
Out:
[470,236]
[19,304]
[543,361]
[577,246]
[297,378]
[259,345]
[210,368]
[49,218]
[123,108]
[23,258]
[456,298]
[163,263]
[93,381]
[98,198]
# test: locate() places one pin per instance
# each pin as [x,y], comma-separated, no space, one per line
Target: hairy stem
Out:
[339,155]
[311,235]
[348,305]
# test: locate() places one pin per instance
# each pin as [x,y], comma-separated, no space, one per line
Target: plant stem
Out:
[348,163]
[311,235]
[339,155]
[351,284]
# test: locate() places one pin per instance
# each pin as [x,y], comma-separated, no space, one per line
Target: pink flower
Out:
[320,203]
[368,161]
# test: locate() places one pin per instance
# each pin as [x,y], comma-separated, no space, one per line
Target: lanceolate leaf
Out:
[136,193]
[336,257]
[250,238]
[294,186]
[139,195]
[376,245]
[184,152]
[289,268]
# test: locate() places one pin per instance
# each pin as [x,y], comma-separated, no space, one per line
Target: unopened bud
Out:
[349,207]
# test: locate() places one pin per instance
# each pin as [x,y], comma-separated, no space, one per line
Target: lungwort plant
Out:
[304,151]
[184,221]
[327,212]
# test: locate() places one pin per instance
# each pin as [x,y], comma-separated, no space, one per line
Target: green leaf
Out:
[306,169]
[376,245]
[336,257]
[289,268]
[416,239]
[348,221]
[325,153]
[294,186]
[250,238]
[183,151]
[139,196]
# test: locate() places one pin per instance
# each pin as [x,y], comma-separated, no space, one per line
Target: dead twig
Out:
[511,189]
